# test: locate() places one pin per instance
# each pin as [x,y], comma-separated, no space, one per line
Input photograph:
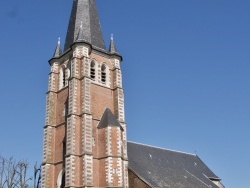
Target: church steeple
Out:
[84,12]
[85,143]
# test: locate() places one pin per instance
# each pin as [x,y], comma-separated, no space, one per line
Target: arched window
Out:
[61,179]
[103,74]
[66,76]
[92,70]
[62,78]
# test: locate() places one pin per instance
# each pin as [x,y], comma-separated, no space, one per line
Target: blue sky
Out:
[185,74]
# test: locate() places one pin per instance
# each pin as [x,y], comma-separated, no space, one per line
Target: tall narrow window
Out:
[92,70]
[103,74]
[61,78]
[61,179]
[64,77]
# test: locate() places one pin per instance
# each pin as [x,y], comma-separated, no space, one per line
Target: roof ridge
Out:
[163,148]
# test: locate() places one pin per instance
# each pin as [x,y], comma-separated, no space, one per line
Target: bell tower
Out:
[85,142]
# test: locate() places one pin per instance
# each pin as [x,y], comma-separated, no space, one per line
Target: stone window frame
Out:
[64,75]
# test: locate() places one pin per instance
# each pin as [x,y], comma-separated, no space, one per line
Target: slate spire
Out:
[112,48]
[85,12]
[80,35]
[108,120]
[58,50]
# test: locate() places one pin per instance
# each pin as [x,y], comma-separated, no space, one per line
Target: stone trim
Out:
[119,141]
[119,105]
[70,171]
[56,92]
[55,163]
[117,78]
[75,69]
[86,97]
[108,166]
[50,108]
[52,82]
[116,64]
[125,174]
[53,77]
[112,156]
[88,170]
[73,90]
[108,141]
[71,142]
[85,71]
[55,126]
[119,172]
[87,133]
[47,144]
[45,178]
[80,50]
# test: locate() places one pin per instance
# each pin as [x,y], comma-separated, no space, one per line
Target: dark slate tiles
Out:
[108,119]
[169,169]
[84,13]
[112,47]
[58,50]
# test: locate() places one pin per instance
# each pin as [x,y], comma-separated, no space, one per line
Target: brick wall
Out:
[135,181]
[75,104]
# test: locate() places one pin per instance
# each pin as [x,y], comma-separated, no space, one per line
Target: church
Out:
[85,142]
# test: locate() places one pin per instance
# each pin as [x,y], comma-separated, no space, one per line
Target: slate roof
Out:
[108,120]
[169,169]
[58,50]
[80,35]
[112,47]
[84,12]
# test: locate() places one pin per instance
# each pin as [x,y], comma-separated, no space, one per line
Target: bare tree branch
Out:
[2,165]
[14,174]
[22,172]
